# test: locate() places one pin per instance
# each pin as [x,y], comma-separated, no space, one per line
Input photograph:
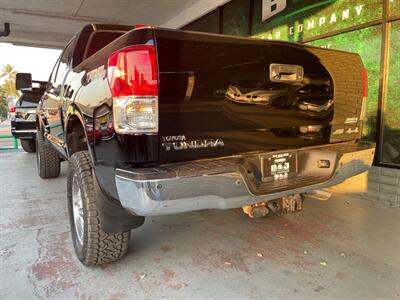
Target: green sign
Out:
[306,19]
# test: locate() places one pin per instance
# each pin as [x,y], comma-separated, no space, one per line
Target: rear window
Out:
[29,100]
[100,39]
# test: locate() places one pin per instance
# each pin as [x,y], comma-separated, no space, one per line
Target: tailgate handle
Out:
[285,73]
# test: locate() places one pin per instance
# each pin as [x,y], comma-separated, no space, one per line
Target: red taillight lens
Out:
[365,82]
[365,95]
[133,77]
[12,110]
[132,71]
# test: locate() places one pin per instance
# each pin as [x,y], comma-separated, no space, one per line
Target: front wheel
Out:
[93,246]
[29,146]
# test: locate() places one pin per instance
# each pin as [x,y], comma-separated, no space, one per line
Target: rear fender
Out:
[113,217]
[74,117]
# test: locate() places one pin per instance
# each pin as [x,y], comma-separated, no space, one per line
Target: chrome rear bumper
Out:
[232,182]
[23,133]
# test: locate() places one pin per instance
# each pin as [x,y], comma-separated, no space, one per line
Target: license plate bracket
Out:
[279,166]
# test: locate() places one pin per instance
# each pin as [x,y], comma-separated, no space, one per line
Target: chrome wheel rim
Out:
[77,209]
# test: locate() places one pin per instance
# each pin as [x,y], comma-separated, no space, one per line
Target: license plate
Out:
[279,166]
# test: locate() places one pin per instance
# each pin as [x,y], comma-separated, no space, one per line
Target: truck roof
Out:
[88,41]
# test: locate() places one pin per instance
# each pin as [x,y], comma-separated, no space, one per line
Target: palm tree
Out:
[7,89]
[8,72]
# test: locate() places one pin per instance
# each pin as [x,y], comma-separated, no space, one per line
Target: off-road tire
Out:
[97,247]
[48,160]
[29,146]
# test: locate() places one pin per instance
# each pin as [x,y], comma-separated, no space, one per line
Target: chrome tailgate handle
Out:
[285,73]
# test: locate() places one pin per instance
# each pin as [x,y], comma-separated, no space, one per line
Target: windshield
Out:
[29,100]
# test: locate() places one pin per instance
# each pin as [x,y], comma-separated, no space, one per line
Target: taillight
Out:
[365,82]
[365,95]
[133,78]
[12,110]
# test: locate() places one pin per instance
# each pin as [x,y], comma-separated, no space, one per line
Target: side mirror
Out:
[23,81]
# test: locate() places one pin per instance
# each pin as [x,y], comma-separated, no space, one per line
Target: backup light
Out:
[133,78]
[135,115]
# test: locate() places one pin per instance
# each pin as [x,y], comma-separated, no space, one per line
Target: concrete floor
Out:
[342,248]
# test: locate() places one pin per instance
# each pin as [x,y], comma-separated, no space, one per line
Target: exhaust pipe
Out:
[320,195]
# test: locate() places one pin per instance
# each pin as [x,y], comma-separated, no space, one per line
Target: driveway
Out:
[345,247]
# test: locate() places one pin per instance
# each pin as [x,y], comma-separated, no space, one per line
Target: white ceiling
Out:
[51,23]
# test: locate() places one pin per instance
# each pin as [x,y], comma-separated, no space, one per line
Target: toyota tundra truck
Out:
[155,121]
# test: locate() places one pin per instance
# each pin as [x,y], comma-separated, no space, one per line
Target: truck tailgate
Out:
[222,95]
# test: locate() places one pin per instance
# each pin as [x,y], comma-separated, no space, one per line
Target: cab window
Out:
[65,61]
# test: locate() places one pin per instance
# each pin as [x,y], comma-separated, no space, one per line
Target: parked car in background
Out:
[23,116]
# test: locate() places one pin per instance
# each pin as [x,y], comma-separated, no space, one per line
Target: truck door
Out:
[53,104]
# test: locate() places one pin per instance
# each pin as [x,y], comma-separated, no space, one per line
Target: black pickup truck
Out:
[156,121]
[23,119]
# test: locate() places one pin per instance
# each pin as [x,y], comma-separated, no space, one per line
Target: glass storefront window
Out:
[394,8]
[302,19]
[367,43]
[391,117]
[236,17]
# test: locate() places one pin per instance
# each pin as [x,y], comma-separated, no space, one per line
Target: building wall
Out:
[384,186]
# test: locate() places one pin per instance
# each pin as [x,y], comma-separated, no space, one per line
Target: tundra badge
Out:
[179,142]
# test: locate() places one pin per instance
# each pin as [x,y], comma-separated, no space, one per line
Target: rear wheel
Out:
[29,146]
[93,246]
[48,160]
